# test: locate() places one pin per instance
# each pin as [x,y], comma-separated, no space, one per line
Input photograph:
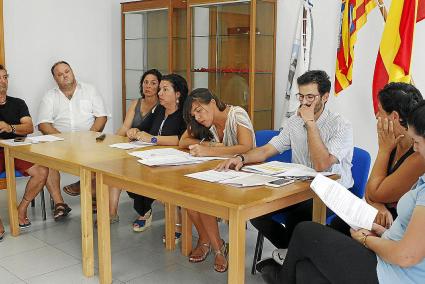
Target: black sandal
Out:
[61,211]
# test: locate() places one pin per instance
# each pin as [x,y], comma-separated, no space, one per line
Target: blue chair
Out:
[262,137]
[360,171]
[3,185]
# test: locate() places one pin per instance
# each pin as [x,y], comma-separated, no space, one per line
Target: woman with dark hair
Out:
[397,167]
[167,127]
[318,254]
[139,117]
[214,129]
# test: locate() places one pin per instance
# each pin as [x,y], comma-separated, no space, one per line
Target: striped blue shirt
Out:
[336,134]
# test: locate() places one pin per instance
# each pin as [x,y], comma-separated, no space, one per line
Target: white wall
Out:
[87,34]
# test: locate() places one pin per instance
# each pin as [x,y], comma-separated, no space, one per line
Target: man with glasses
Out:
[71,106]
[318,139]
[16,122]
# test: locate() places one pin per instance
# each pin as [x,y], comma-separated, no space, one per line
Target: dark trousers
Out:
[318,254]
[278,234]
[142,204]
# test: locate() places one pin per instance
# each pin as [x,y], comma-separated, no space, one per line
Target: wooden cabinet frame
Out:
[2,53]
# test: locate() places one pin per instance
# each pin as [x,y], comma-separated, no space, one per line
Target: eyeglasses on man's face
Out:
[308,97]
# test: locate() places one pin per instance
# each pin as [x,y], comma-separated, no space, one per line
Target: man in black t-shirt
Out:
[15,121]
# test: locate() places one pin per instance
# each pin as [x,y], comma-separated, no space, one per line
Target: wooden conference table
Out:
[169,185]
[69,155]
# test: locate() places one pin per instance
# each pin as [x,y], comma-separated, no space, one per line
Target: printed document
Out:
[353,210]
[45,138]
[131,145]
[233,178]
[275,168]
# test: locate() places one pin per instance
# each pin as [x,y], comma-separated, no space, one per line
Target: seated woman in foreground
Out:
[139,117]
[213,129]
[397,167]
[167,127]
[318,254]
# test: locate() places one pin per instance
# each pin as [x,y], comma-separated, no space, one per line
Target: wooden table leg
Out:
[170,225]
[103,230]
[319,210]
[86,223]
[186,233]
[236,247]
[11,193]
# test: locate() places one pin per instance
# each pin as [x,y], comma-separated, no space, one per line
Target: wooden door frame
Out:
[2,56]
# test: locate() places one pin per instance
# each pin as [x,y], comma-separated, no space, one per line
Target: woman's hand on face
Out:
[132,133]
[198,150]
[386,137]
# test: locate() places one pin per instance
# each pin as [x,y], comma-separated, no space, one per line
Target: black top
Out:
[172,125]
[392,207]
[11,112]
[143,123]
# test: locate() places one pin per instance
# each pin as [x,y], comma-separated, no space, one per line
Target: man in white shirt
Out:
[72,106]
[317,138]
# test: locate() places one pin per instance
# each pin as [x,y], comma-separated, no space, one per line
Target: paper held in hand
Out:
[353,210]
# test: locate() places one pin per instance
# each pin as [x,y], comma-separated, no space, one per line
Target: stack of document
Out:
[353,210]
[233,178]
[31,140]
[131,145]
[280,169]
[168,157]
[45,138]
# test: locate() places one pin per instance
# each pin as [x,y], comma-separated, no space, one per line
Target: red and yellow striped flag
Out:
[395,50]
[353,17]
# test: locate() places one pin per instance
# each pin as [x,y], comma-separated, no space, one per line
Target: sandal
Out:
[205,248]
[223,251]
[70,189]
[139,225]
[25,225]
[177,235]
[61,210]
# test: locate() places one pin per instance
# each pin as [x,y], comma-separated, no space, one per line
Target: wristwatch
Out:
[154,140]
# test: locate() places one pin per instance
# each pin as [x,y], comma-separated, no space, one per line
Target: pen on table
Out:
[201,141]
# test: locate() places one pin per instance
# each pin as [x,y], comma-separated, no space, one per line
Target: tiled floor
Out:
[50,252]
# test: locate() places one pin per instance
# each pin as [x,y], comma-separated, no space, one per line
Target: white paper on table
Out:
[170,160]
[353,210]
[216,176]
[154,153]
[247,181]
[131,145]
[298,172]
[274,168]
[11,142]
[45,138]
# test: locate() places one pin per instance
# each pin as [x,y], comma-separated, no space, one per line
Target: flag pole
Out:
[383,10]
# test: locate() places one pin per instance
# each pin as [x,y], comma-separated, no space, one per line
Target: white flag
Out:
[300,58]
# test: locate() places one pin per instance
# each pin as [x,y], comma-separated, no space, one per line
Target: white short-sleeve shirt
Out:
[75,114]
[336,134]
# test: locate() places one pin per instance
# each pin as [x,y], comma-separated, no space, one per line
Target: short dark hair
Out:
[179,85]
[399,97]
[2,67]
[318,77]
[154,72]
[204,96]
[416,119]
[56,64]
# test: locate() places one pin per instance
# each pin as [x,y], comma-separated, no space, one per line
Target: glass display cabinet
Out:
[153,36]
[232,52]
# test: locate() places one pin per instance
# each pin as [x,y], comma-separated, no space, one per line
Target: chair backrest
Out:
[360,171]
[262,137]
